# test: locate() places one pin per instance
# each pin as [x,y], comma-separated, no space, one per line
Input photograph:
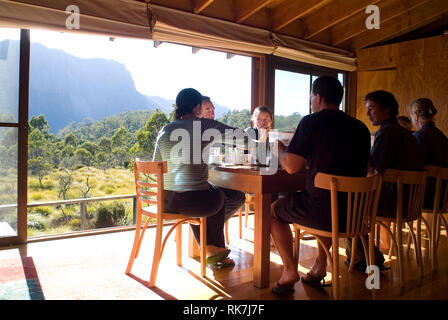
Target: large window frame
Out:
[262,93]
[22,150]
[278,63]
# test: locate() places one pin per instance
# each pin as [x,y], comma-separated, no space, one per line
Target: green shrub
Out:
[36,196]
[110,215]
[42,211]
[74,224]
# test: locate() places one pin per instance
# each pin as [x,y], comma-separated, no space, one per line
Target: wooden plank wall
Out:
[410,70]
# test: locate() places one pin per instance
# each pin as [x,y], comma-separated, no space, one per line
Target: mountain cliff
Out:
[66,88]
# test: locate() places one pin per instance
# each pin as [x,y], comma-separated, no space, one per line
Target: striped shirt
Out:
[185,144]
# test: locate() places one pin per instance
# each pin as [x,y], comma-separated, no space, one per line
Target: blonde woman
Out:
[432,142]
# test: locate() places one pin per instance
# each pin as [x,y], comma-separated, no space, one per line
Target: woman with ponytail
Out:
[432,142]
[187,190]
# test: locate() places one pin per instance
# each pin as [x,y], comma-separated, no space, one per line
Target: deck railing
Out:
[83,205]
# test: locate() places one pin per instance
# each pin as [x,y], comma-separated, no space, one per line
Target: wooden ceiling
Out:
[338,23]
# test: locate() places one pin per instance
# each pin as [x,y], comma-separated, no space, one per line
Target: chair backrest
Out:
[362,200]
[441,176]
[411,188]
[149,183]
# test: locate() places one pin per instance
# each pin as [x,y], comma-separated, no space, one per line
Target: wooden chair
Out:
[250,200]
[441,176]
[149,187]
[362,201]
[416,181]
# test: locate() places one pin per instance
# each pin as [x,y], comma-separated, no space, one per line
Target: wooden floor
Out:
[92,267]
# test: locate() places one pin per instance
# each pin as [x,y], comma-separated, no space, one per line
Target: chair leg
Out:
[134,251]
[139,233]
[389,255]
[371,250]
[399,237]
[428,235]
[179,244]
[335,269]
[444,223]
[394,243]
[246,208]
[433,246]
[240,218]
[410,237]
[157,254]
[203,244]
[439,228]
[296,246]
[352,259]
[419,245]
[226,231]
[377,235]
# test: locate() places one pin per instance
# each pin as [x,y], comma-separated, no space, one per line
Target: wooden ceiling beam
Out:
[291,10]
[355,25]
[406,22]
[247,8]
[200,5]
[332,14]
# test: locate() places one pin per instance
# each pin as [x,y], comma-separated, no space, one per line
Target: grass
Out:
[61,219]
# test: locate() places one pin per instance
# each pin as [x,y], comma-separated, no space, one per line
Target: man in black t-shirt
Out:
[394,148]
[327,141]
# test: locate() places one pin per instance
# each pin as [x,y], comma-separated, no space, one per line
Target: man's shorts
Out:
[300,208]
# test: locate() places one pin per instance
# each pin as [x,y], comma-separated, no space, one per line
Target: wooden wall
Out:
[410,70]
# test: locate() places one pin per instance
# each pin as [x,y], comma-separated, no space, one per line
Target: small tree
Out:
[86,187]
[120,143]
[70,139]
[146,137]
[39,167]
[83,156]
[65,181]
[41,124]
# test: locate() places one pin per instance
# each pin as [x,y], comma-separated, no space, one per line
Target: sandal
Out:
[224,263]
[211,260]
[315,281]
[283,289]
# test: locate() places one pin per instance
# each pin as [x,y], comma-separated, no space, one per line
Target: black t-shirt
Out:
[332,142]
[394,148]
[433,145]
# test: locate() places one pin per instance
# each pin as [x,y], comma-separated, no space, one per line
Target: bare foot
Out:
[319,269]
[213,250]
[289,277]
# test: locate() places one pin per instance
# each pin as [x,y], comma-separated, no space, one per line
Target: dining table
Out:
[263,184]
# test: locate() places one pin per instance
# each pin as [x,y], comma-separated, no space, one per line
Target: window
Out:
[293,81]
[92,102]
[9,106]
